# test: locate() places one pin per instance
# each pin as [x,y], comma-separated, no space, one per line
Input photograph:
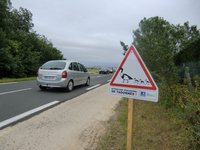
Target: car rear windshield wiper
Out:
[56,68]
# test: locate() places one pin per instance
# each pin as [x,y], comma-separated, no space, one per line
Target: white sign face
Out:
[133,80]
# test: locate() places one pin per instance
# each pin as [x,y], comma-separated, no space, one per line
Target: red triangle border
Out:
[143,67]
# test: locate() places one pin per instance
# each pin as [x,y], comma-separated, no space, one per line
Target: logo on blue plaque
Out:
[143,94]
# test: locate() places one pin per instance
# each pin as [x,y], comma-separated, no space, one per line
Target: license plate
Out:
[49,77]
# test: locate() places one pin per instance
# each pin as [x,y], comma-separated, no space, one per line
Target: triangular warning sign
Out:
[133,74]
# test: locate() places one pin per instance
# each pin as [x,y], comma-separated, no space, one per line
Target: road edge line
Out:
[93,87]
[23,115]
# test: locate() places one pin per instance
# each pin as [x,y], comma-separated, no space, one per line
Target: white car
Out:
[62,74]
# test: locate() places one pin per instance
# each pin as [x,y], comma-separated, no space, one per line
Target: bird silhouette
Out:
[147,82]
[141,81]
[136,81]
[124,76]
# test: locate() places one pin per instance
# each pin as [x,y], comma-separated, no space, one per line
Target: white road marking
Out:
[93,87]
[8,83]
[15,91]
[14,119]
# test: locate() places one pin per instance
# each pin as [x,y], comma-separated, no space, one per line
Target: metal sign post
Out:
[131,105]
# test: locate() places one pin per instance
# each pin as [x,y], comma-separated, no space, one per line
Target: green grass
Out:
[5,80]
[153,129]
[93,70]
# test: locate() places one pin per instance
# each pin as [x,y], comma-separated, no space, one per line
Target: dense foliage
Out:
[22,50]
[167,50]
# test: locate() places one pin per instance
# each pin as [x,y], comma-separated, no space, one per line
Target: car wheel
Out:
[42,87]
[87,82]
[70,86]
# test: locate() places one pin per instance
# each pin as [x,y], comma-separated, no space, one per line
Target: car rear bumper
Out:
[58,84]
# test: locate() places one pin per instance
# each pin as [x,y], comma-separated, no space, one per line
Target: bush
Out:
[186,107]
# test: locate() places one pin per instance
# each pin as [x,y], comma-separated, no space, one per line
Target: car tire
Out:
[70,86]
[87,82]
[42,88]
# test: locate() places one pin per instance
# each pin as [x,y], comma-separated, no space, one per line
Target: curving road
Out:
[20,100]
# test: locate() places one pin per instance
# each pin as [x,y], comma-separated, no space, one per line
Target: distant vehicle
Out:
[104,70]
[62,74]
[111,70]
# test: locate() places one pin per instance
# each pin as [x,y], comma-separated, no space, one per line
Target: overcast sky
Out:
[89,31]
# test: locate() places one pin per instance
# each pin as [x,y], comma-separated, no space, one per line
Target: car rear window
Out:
[53,66]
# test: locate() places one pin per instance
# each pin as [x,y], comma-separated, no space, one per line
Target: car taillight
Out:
[64,74]
[38,73]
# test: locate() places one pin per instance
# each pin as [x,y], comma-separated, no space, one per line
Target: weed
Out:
[185,108]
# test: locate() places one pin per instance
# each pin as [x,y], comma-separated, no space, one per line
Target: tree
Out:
[21,20]
[189,49]
[22,51]
[5,6]
[125,47]
[155,40]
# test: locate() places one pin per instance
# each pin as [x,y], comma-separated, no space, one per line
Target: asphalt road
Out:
[20,100]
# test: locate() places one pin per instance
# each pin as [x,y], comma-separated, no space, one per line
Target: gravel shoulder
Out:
[77,124]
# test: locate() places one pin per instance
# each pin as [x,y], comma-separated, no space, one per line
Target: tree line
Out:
[164,46]
[22,50]
[167,51]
